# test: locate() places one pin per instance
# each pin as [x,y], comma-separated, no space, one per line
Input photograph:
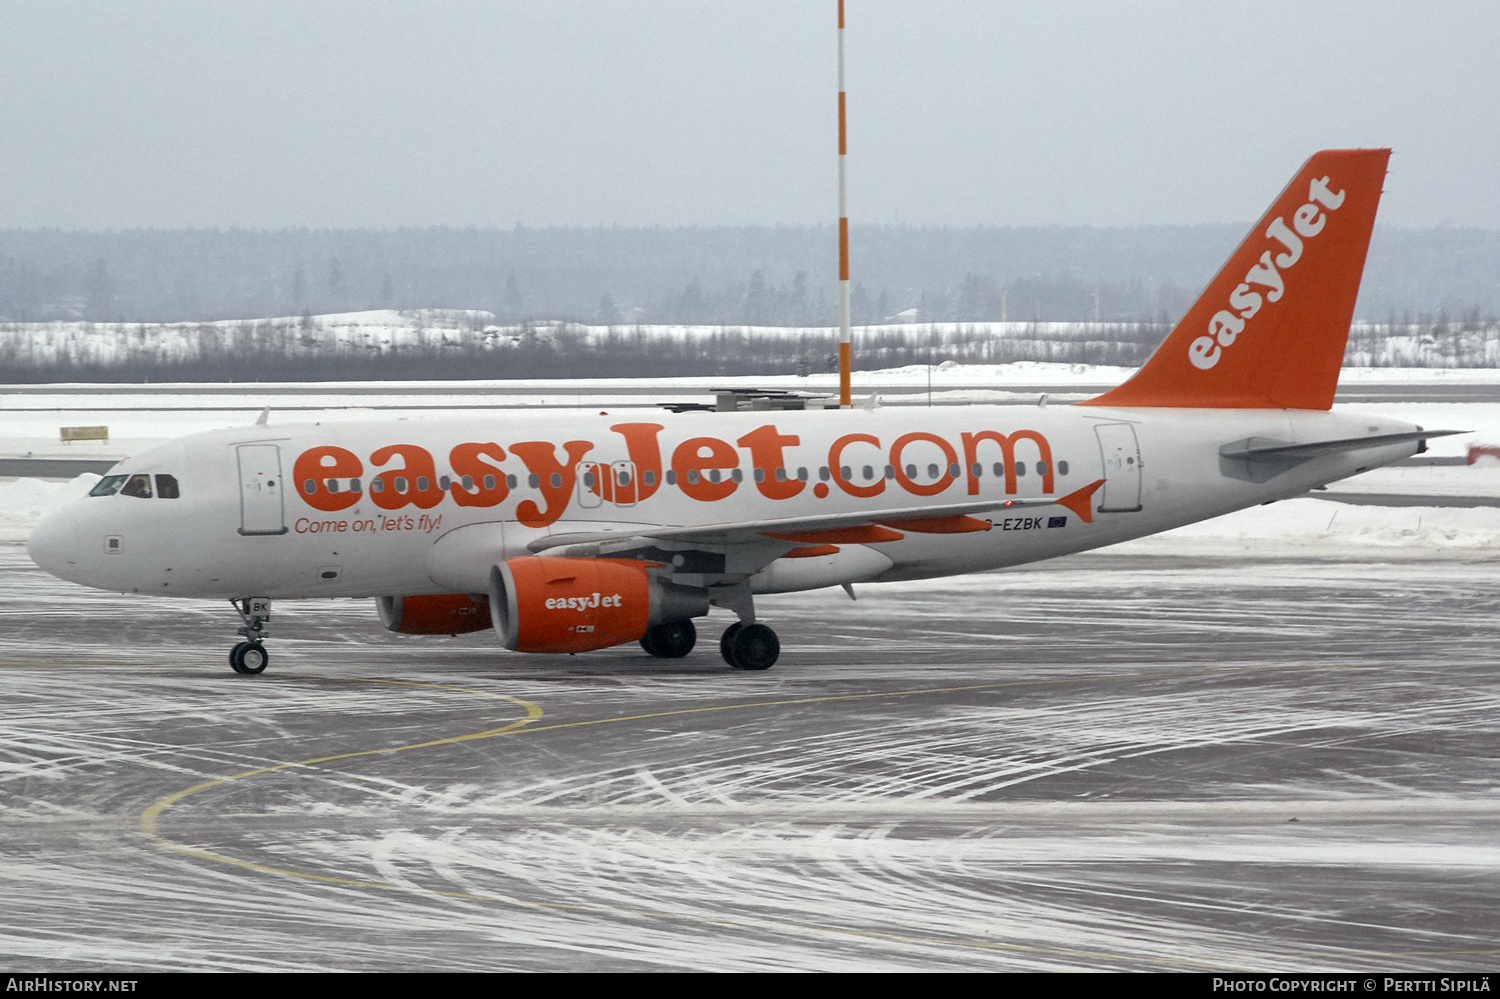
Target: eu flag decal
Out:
[1057,521]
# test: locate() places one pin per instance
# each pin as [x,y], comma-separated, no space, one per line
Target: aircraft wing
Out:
[863,527]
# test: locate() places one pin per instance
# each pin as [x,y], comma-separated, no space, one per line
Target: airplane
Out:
[571,533]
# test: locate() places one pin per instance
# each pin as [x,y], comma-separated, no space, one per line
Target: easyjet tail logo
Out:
[1265,281]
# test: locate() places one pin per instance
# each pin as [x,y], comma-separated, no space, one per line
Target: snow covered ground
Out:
[387,332]
[1280,765]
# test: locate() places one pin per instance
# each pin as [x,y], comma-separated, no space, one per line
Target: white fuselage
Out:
[256,515]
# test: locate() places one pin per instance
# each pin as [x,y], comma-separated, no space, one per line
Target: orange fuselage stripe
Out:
[958,524]
[870,534]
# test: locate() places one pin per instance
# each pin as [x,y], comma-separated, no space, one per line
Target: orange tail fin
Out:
[1269,331]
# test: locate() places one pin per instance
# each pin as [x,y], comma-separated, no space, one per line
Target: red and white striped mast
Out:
[846,349]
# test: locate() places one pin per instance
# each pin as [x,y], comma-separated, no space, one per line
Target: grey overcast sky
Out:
[379,113]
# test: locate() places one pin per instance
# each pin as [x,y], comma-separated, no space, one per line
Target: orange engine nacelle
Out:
[542,604]
[444,614]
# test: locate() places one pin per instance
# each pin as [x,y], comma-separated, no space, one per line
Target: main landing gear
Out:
[744,646]
[250,657]
[670,639]
[749,646]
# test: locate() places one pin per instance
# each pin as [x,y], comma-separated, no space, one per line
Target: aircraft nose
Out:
[53,545]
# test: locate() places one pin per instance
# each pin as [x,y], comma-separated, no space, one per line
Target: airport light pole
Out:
[846,349]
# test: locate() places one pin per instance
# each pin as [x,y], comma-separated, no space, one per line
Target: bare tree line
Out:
[717,276]
[465,345]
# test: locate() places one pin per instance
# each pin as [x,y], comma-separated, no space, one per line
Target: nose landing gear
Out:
[250,657]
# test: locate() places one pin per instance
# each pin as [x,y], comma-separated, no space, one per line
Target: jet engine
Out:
[542,604]
[443,614]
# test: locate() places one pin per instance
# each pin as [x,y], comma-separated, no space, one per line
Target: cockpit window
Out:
[138,486]
[166,486]
[108,486]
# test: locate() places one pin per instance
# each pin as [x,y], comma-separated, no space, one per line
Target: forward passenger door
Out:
[262,510]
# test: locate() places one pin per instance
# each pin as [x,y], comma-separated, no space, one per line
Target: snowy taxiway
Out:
[1122,761]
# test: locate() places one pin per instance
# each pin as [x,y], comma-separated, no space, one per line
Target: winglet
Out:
[1270,329]
[1081,501]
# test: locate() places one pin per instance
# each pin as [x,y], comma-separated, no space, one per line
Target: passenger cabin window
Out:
[108,486]
[138,486]
[166,486]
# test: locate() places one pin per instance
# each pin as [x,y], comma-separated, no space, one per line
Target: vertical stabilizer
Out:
[1269,331]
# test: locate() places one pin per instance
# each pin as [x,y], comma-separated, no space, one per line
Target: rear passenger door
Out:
[1122,468]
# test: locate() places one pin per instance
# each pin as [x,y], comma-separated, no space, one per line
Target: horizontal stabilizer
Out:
[1255,448]
[1261,459]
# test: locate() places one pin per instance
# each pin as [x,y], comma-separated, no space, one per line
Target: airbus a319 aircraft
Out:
[568,533]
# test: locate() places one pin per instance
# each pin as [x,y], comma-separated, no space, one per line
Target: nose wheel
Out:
[250,657]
